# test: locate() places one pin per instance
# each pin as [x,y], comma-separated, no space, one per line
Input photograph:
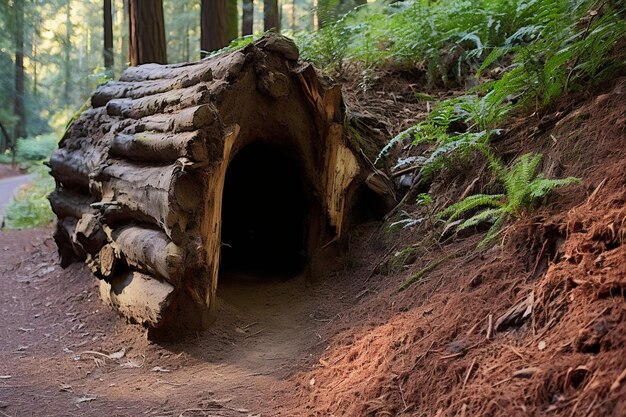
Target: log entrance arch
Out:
[141,174]
[265,212]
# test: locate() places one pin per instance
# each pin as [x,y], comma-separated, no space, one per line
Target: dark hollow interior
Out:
[264,213]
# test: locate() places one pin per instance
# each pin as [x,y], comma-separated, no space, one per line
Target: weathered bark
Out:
[108,37]
[89,234]
[68,204]
[271,18]
[160,147]
[214,33]
[166,195]
[138,297]
[150,251]
[20,127]
[247,17]
[70,169]
[69,251]
[146,32]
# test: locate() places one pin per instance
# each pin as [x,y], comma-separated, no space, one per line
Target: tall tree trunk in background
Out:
[316,20]
[271,18]
[213,26]
[233,27]
[292,16]
[20,127]
[247,17]
[146,32]
[108,38]
[34,59]
[125,26]
[67,76]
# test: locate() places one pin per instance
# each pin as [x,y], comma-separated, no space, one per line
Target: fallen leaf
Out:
[5,376]
[65,387]
[159,369]
[21,348]
[312,382]
[541,345]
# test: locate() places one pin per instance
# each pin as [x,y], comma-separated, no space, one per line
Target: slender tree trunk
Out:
[67,78]
[233,27]
[292,16]
[271,18]
[34,59]
[20,127]
[214,33]
[316,20]
[108,38]
[146,32]
[125,40]
[247,17]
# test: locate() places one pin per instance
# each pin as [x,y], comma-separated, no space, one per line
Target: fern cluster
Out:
[523,188]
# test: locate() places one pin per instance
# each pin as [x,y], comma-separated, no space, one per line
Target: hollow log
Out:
[150,251]
[139,297]
[153,154]
[160,147]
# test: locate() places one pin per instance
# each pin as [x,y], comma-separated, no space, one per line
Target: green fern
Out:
[523,189]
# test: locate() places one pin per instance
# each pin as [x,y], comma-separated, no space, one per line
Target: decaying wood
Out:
[164,194]
[88,233]
[140,175]
[138,297]
[70,169]
[69,251]
[160,147]
[150,251]
[65,203]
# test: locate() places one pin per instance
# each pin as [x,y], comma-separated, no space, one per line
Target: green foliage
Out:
[30,207]
[33,148]
[523,188]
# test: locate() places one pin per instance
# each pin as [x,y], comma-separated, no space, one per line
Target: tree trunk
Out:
[247,17]
[146,32]
[233,29]
[67,47]
[125,58]
[214,31]
[271,19]
[20,127]
[108,38]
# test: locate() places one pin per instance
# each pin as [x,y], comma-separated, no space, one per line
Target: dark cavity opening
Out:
[264,214]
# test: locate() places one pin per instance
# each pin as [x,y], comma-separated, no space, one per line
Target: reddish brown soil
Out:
[349,343]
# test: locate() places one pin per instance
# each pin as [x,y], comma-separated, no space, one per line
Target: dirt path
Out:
[55,333]
[8,187]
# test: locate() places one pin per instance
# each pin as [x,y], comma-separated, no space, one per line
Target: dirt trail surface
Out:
[9,186]
[64,353]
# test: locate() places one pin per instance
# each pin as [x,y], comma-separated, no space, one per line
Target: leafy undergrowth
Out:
[30,207]
[535,325]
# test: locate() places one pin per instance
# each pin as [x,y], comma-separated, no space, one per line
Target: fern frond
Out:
[540,187]
[489,215]
[477,200]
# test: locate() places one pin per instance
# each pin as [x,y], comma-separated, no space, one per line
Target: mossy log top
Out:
[145,168]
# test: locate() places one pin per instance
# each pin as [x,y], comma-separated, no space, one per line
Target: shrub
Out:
[30,207]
